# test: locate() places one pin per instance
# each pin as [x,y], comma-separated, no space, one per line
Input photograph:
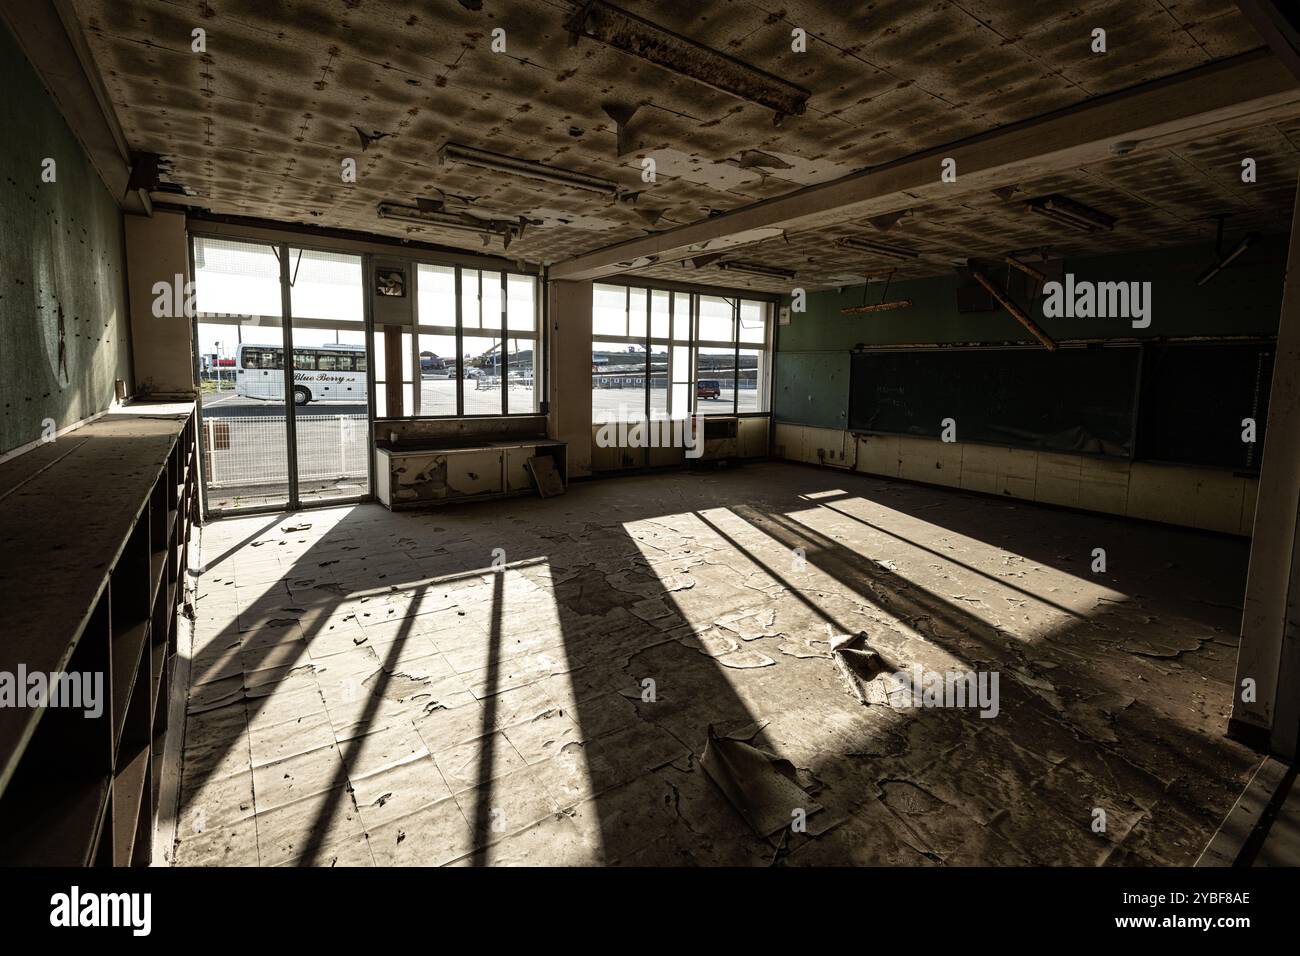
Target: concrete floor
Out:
[367,690]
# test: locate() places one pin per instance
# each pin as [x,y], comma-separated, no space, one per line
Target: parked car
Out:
[708,388]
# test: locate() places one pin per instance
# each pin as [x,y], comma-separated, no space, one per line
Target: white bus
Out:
[334,373]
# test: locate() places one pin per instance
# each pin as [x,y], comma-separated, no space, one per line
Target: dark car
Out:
[708,388]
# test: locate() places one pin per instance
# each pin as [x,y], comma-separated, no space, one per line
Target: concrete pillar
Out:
[570,418]
[1270,620]
[157,251]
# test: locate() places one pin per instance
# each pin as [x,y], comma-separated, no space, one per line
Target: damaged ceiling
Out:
[260,122]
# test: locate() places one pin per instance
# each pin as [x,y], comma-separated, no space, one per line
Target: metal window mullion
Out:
[368,336]
[460,347]
[693,355]
[204,464]
[649,371]
[542,316]
[735,365]
[672,313]
[290,410]
[501,351]
[417,378]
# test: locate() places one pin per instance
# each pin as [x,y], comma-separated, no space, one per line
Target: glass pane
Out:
[524,375]
[522,309]
[437,374]
[482,382]
[617,382]
[238,280]
[753,322]
[751,396]
[332,417]
[609,310]
[681,317]
[716,320]
[471,309]
[636,313]
[436,351]
[659,381]
[436,296]
[679,373]
[241,360]
[659,315]
[492,302]
[715,380]
[325,285]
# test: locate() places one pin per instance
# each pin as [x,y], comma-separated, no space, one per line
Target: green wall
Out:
[61,246]
[811,383]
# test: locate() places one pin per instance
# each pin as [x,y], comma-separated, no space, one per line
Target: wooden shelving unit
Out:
[94,540]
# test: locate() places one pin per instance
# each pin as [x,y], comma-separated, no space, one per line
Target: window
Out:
[262,358]
[475,349]
[669,354]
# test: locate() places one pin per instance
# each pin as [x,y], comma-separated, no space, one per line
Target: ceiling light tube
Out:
[671,51]
[878,307]
[1070,213]
[486,228]
[757,269]
[1227,260]
[876,248]
[500,163]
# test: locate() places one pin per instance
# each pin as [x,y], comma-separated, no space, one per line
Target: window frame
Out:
[686,349]
[501,332]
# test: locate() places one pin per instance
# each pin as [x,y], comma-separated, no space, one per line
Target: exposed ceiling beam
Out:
[50,36]
[1278,27]
[1238,93]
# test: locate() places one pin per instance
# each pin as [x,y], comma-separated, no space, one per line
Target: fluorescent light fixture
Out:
[878,307]
[508,230]
[1067,212]
[527,168]
[1227,260]
[611,25]
[876,248]
[756,269]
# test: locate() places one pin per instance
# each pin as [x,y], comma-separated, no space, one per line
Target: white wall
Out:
[1209,498]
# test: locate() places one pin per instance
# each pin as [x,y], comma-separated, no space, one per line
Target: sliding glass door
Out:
[241,343]
[278,433]
[331,410]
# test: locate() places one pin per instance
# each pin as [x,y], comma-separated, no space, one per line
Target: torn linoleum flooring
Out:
[367,691]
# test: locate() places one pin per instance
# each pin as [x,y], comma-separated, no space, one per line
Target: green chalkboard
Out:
[1073,399]
[1195,397]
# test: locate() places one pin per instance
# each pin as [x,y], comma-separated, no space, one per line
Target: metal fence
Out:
[251,451]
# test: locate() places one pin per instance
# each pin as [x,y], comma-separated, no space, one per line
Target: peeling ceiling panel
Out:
[260,122]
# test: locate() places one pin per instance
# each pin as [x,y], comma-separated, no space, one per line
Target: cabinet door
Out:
[517,476]
[474,473]
[417,478]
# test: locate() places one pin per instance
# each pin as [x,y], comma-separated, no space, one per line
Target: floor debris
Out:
[860,666]
[761,786]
